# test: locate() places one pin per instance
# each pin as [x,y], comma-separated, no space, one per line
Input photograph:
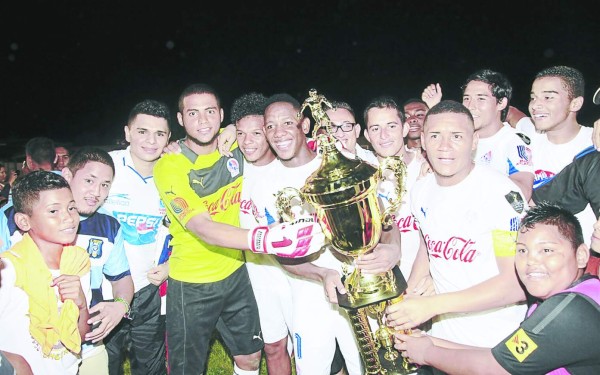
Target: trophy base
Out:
[365,299]
[396,367]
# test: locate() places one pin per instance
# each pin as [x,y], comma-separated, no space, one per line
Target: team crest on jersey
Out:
[233,167]
[94,248]
[516,201]
[521,345]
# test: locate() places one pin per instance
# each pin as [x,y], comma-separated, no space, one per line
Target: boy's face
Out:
[62,157]
[250,135]
[285,133]
[201,117]
[546,262]
[549,103]
[54,218]
[415,116]
[450,141]
[481,102]
[386,131]
[90,186]
[339,117]
[147,136]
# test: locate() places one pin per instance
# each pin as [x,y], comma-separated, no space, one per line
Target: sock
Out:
[239,371]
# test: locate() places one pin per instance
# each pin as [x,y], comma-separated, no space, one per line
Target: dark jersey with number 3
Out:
[563,333]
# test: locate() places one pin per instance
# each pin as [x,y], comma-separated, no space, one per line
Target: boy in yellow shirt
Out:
[45,282]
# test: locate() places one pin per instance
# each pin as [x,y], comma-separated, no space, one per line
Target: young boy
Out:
[45,284]
[560,333]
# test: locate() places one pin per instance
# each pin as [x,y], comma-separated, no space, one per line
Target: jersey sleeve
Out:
[117,266]
[174,188]
[575,186]
[562,330]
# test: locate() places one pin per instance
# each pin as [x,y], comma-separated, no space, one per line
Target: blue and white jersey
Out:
[101,235]
[135,203]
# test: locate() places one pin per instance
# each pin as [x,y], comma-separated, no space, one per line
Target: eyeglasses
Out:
[345,126]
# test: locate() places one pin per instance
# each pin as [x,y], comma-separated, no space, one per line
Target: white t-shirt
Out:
[505,151]
[317,322]
[14,326]
[550,158]
[409,229]
[366,155]
[135,203]
[457,223]
[270,282]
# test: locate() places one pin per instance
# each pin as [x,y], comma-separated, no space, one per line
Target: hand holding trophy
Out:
[343,192]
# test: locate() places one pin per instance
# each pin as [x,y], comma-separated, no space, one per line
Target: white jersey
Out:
[457,223]
[14,326]
[135,203]
[550,158]
[409,229]
[366,155]
[270,282]
[505,151]
[316,322]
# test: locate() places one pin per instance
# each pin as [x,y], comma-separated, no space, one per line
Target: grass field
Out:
[219,361]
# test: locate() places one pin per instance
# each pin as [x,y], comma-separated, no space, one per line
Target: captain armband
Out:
[504,242]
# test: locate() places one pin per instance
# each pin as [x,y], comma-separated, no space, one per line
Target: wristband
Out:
[127,307]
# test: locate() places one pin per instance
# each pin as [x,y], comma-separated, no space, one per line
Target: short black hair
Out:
[342,105]
[284,98]
[551,214]
[572,79]
[248,105]
[448,106]
[383,102]
[41,150]
[27,189]
[499,86]
[152,108]
[197,88]
[414,100]
[84,155]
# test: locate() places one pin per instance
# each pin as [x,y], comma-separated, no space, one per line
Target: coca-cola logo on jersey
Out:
[230,197]
[455,248]
[247,207]
[406,223]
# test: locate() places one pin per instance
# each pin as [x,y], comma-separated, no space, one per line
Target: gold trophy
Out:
[343,192]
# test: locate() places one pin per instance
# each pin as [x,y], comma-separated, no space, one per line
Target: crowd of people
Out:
[144,252]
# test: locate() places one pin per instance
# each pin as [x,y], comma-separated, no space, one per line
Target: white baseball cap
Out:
[596,99]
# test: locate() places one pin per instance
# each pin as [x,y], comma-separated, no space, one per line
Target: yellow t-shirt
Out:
[189,184]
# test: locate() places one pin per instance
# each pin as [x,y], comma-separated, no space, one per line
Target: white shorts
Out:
[273,296]
[317,325]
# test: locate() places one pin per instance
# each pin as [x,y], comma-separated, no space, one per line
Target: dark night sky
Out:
[74,69]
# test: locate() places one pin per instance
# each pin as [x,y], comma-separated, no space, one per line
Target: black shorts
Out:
[195,310]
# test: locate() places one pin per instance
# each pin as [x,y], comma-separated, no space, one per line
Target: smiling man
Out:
[468,214]
[208,281]
[135,202]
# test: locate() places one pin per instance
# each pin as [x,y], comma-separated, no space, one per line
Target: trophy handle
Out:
[283,202]
[398,168]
